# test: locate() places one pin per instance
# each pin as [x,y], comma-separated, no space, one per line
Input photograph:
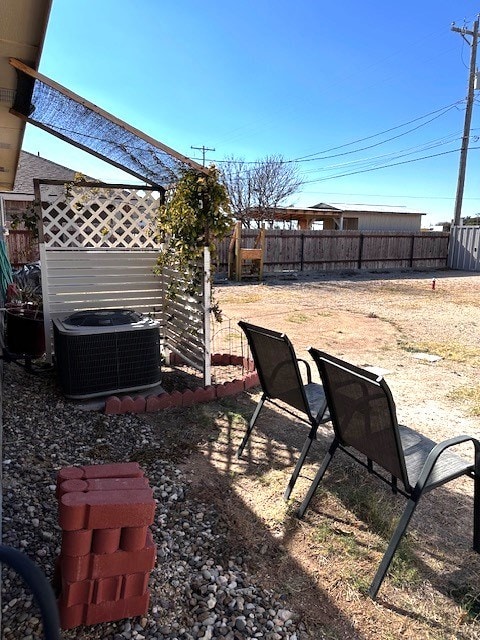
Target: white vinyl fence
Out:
[98,250]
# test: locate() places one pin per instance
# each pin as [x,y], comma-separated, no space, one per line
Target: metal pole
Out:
[468,119]
[207,317]
[203,149]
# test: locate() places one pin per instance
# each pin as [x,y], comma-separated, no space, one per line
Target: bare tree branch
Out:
[256,190]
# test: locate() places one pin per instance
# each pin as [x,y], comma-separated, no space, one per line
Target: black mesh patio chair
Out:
[364,420]
[280,379]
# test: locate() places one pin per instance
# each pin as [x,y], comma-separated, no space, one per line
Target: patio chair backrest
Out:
[363,413]
[276,365]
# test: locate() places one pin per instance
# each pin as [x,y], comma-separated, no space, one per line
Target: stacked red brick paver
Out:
[107,548]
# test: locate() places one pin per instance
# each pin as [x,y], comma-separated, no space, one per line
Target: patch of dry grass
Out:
[242,298]
[366,501]
[453,351]
[298,318]
[470,394]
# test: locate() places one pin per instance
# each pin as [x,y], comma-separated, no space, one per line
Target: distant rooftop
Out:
[366,208]
[31,166]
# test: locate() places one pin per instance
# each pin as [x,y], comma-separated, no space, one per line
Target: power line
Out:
[309,158]
[393,154]
[375,166]
[383,195]
[444,110]
[203,148]
[371,146]
[386,166]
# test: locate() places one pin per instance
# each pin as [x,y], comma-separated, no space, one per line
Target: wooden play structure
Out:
[243,262]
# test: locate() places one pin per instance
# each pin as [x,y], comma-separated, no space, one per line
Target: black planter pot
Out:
[25,332]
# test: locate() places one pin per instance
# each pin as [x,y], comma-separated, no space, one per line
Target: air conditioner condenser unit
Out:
[103,351]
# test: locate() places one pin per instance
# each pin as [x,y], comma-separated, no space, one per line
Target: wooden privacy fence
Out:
[22,247]
[311,250]
[340,250]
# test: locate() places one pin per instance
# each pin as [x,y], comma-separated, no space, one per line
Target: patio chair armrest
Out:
[307,366]
[434,455]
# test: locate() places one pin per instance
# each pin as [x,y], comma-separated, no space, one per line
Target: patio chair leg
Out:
[293,478]
[319,475]
[476,501]
[249,430]
[476,516]
[392,547]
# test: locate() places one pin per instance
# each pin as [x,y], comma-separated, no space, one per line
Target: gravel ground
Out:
[199,587]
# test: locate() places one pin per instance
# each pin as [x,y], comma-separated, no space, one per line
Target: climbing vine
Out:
[26,219]
[196,215]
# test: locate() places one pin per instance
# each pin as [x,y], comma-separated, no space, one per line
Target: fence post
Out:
[412,246]
[207,321]
[360,252]
[302,248]
[47,324]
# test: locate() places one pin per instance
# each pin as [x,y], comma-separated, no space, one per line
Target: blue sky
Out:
[253,78]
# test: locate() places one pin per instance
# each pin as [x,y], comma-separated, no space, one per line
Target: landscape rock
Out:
[196,592]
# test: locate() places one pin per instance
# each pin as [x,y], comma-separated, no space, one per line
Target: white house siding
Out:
[387,222]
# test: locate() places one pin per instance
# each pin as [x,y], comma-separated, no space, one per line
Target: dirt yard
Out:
[323,564]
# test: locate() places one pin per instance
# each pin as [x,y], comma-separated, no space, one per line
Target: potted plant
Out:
[24,315]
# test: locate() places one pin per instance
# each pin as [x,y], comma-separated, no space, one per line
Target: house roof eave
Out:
[22,34]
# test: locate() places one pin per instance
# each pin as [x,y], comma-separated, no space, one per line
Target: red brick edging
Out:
[187,398]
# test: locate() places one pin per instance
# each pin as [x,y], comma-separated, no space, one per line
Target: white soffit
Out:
[23,25]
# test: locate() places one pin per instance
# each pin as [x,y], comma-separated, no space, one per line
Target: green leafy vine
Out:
[196,214]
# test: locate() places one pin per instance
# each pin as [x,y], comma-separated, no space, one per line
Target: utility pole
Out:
[203,149]
[468,116]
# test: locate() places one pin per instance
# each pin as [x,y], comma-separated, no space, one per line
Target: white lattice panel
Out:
[90,217]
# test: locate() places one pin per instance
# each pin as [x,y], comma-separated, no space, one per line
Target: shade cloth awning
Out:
[52,107]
